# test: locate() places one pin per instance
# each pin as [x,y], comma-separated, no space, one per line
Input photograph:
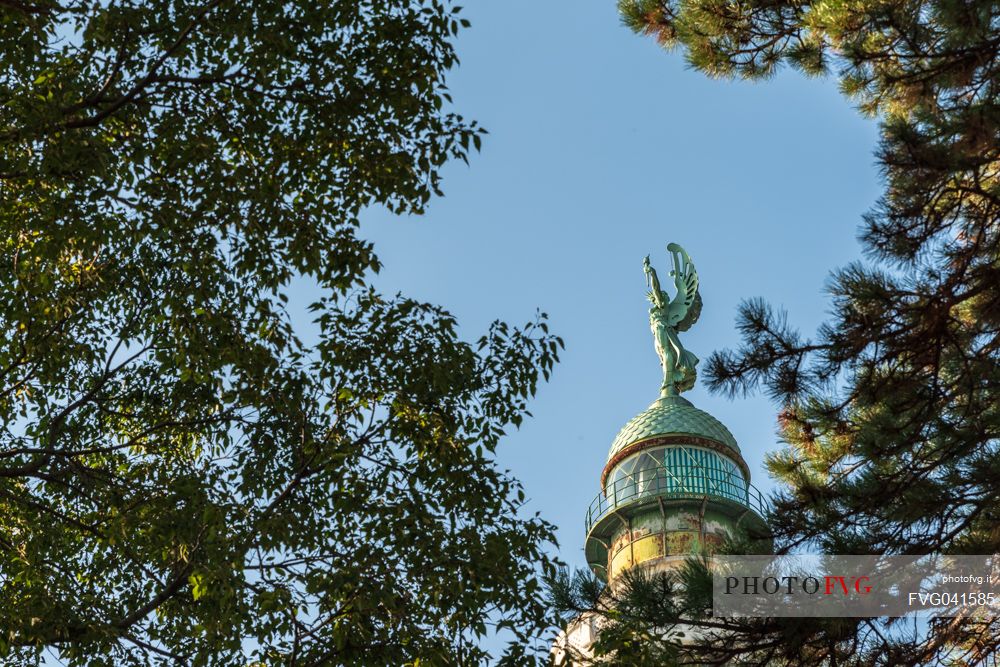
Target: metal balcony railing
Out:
[675,482]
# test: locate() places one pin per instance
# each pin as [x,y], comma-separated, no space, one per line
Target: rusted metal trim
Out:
[631,543]
[675,440]
[701,521]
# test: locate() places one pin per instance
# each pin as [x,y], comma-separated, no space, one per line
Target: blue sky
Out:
[603,148]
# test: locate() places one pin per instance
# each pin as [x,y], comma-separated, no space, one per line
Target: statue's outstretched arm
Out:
[654,283]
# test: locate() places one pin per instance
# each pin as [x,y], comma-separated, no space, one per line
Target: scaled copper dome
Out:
[672,415]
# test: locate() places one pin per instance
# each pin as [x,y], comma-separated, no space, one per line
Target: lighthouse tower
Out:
[675,483]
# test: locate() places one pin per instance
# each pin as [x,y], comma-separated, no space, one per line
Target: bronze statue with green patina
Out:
[669,316]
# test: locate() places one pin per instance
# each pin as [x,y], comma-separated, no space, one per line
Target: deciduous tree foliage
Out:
[182,479]
[890,411]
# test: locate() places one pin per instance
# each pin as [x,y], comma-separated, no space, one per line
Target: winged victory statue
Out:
[669,316]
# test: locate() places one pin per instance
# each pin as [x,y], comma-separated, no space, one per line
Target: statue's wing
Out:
[686,305]
[692,315]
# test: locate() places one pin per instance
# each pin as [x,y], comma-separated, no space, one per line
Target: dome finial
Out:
[669,316]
